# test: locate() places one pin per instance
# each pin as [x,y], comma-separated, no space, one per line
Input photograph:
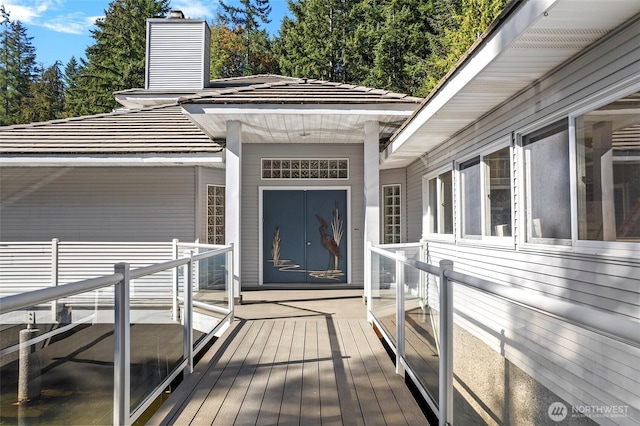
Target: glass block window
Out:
[391,214]
[215,214]
[305,168]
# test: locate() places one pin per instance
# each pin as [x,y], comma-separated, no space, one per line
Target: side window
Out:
[498,193]
[215,214]
[391,203]
[485,195]
[470,197]
[547,184]
[439,205]
[608,171]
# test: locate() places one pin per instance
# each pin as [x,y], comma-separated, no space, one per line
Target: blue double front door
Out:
[304,236]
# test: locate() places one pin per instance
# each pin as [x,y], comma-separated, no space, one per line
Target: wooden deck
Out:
[297,357]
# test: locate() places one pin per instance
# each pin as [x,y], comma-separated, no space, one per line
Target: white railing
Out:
[387,271]
[120,283]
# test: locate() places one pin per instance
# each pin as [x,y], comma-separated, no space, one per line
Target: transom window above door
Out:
[305,168]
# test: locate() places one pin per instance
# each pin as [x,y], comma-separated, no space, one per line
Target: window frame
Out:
[427,233]
[591,246]
[485,239]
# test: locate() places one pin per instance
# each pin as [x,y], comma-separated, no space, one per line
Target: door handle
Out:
[308,243]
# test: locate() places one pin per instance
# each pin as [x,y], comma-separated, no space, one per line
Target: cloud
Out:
[24,14]
[71,24]
[43,13]
[195,9]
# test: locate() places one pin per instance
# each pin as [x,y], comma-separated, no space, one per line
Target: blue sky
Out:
[60,28]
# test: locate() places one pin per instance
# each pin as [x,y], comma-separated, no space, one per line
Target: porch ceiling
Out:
[533,39]
[322,123]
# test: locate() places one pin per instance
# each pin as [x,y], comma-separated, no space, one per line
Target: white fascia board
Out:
[215,160]
[516,24]
[401,110]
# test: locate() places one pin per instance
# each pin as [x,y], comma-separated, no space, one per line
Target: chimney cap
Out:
[176,14]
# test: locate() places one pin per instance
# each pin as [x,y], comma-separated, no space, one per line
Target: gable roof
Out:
[164,129]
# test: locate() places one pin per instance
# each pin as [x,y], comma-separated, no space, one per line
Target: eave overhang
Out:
[527,42]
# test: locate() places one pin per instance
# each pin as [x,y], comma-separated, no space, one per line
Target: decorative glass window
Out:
[305,168]
[547,185]
[391,201]
[215,214]
[608,171]
[439,200]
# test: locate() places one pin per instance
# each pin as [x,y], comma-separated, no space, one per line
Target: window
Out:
[305,168]
[547,184]
[439,200]
[215,214]
[470,197]
[608,171]
[498,193]
[391,214]
[485,195]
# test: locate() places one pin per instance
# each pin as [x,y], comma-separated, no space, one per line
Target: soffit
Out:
[533,40]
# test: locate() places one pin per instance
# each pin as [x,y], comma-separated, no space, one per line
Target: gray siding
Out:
[125,204]
[251,166]
[580,366]
[177,54]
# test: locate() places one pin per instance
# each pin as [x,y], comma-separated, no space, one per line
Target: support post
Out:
[445,404]
[122,348]
[371,188]
[233,197]
[29,379]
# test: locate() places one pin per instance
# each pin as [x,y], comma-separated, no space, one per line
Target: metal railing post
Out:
[400,351]
[188,315]
[54,276]
[230,267]
[445,404]
[122,347]
[174,284]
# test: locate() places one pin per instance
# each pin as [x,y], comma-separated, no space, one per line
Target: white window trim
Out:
[483,239]
[435,236]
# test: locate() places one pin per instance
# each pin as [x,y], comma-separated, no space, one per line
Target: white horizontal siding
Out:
[177,55]
[97,204]
[30,266]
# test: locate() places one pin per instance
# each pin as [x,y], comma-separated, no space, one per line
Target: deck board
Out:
[303,368]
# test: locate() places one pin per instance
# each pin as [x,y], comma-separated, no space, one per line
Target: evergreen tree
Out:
[459,24]
[392,39]
[116,61]
[245,21]
[73,102]
[47,100]
[314,43]
[17,69]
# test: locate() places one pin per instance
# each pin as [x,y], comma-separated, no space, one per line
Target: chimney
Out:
[178,52]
